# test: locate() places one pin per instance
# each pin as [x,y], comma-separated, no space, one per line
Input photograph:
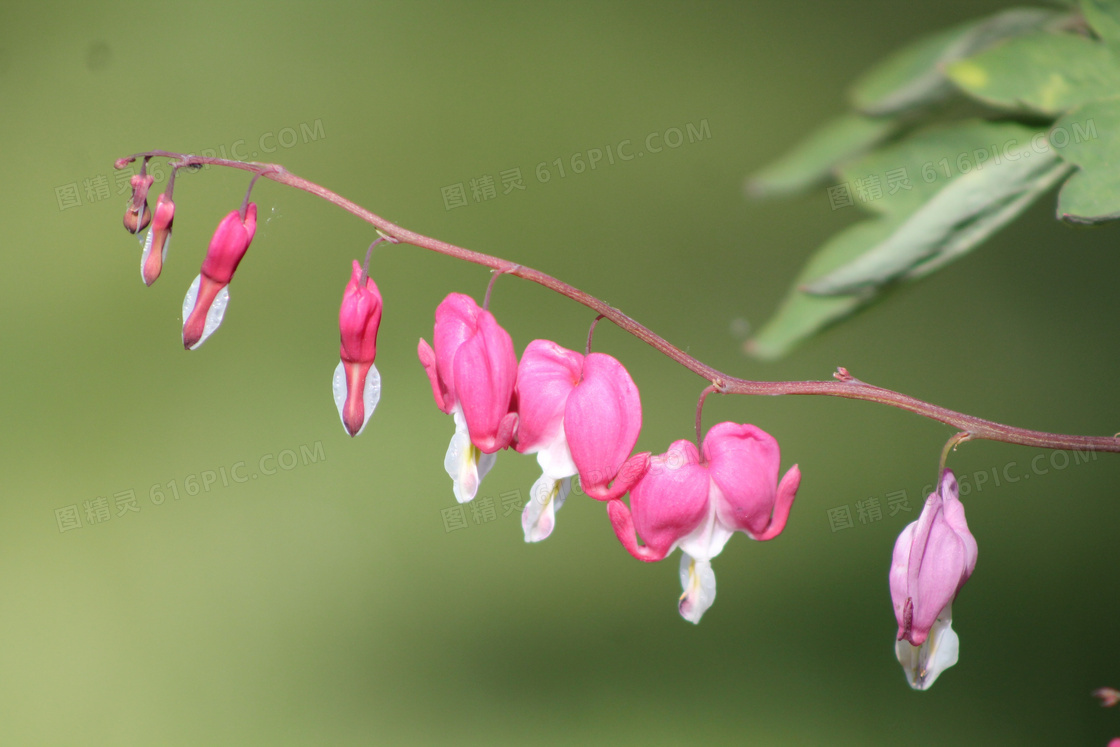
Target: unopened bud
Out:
[158,240]
[138,215]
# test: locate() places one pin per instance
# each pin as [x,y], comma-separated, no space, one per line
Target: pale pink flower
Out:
[933,558]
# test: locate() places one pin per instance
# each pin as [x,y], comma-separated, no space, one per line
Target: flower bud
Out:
[205,302]
[933,558]
[357,383]
[137,215]
[158,240]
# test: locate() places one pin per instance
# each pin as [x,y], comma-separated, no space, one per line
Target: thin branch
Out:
[845,386]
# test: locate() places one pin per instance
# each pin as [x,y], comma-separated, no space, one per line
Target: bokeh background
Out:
[324,601]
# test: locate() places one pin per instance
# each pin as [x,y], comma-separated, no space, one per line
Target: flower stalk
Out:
[844,386]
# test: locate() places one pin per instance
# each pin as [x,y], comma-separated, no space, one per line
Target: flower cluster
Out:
[205,303]
[581,415]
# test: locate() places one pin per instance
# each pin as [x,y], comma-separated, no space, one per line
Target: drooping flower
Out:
[158,240]
[933,558]
[357,383]
[205,302]
[579,415]
[696,500]
[472,369]
[1109,696]
[137,215]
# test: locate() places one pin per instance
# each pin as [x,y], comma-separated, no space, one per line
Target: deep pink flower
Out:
[157,241]
[137,215]
[697,503]
[357,383]
[933,558]
[205,302]
[579,415]
[472,369]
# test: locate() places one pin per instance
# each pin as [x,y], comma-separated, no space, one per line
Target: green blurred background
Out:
[327,603]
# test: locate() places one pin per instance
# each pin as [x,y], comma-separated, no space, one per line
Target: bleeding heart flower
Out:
[472,369]
[933,558]
[697,502]
[579,415]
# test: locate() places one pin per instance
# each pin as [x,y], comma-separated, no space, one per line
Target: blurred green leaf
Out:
[1042,72]
[915,75]
[811,162]
[800,314]
[951,212]
[1104,17]
[1092,195]
[952,187]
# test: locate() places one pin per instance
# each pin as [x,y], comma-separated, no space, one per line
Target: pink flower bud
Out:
[697,502]
[158,240]
[137,215]
[205,302]
[933,558]
[472,369]
[357,383]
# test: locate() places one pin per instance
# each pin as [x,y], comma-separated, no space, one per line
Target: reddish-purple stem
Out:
[845,386]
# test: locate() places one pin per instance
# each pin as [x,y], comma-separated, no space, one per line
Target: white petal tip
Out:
[547,495]
[924,664]
[214,314]
[464,462]
[699,583]
[371,395]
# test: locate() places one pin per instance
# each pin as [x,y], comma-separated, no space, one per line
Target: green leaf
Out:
[1104,17]
[1092,195]
[914,75]
[959,192]
[811,162]
[800,314]
[963,211]
[1041,72]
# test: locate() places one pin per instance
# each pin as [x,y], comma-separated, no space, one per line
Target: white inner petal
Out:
[547,495]
[213,315]
[189,299]
[465,463]
[556,459]
[339,387]
[707,540]
[147,250]
[698,581]
[371,395]
[923,664]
